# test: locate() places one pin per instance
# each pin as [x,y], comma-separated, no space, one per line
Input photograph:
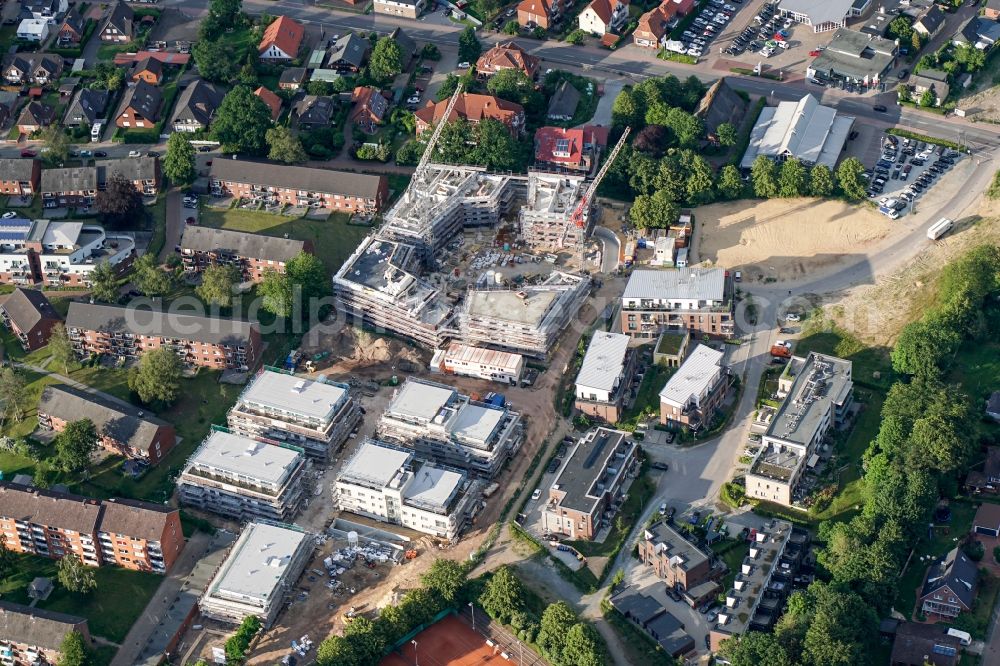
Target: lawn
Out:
[333,239]
[110,610]
[976,367]
[107,52]
[732,552]
[638,494]
[647,400]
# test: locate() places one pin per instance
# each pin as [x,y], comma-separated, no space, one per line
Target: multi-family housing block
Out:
[59,252]
[605,378]
[30,317]
[78,186]
[127,533]
[276,184]
[210,342]
[817,393]
[679,563]
[590,484]
[694,393]
[451,429]
[20,177]
[30,636]
[391,485]
[694,299]
[121,428]
[550,219]
[258,574]
[252,254]
[317,415]
[243,478]
[479,362]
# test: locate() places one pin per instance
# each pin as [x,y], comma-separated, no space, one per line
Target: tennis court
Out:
[450,642]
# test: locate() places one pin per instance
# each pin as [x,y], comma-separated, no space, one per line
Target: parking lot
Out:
[710,24]
[904,171]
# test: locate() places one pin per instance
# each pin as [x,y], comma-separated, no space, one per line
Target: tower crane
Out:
[425,159]
[578,214]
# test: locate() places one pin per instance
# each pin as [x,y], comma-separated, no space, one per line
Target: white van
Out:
[95,132]
[939,228]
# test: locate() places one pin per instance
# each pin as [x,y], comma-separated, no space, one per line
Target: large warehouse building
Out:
[805,130]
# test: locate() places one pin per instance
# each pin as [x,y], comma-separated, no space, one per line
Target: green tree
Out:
[901,28]
[971,58]
[367,642]
[337,651]
[386,60]
[670,178]
[576,37]
[628,110]
[217,284]
[503,595]
[903,91]
[928,98]
[687,127]
[921,346]
[74,575]
[57,141]
[8,560]
[654,211]
[916,42]
[793,180]
[511,27]
[157,377]
[850,180]
[764,176]
[469,47]
[275,291]
[179,162]
[242,121]
[510,84]
[446,577]
[284,146]
[237,645]
[214,60]
[583,646]
[495,147]
[74,446]
[821,181]
[73,651]
[119,204]
[104,283]
[698,185]
[13,394]
[149,277]
[726,134]
[60,348]
[842,631]
[222,15]
[308,272]
[644,174]
[730,184]
[753,649]
[557,619]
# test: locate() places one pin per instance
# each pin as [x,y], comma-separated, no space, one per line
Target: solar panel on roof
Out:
[562,145]
[17,222]
[602,441]
[946,650]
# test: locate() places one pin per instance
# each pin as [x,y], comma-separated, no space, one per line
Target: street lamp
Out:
[473,609]
[416,658]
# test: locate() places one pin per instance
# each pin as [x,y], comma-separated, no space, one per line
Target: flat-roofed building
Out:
[121,428]
[243,478]
[822,15]
[390,485]
[689,299]
[59,253]
[605,377]
[855,56]
[260,570]
[817,392]
[590,484]
[479,362]
[30,636]
[251,254]
[449,428]
[315,415]
[548,218]
[694,393]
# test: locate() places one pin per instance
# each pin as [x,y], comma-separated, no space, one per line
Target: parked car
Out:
[660,466]
[134,153]
[535,495]
[28,153]
[673,594]
[8,215]
[100,153]
[881,108]
[791,316]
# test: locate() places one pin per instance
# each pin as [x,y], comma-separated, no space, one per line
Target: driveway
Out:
[176,214]
[602,116]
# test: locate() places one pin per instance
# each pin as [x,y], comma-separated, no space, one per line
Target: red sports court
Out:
[450,642]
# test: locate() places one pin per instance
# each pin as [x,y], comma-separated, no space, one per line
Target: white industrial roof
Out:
[806,130]
[476,423]
[433,485]
[694,377]
[703,284]
[241,455]
[257,562]
[375,463]
[528,310]
[62,233]
[458,352]
[603,362]
[818,11]
[294,395]
[420,400]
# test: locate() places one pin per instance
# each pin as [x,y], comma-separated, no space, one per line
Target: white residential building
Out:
[262,566]
[479,362]
[388,484]
[696,391]
[33,30]
[315,415]
[442,425]
[603,16]
[242,478]
[605,376]
[693,299]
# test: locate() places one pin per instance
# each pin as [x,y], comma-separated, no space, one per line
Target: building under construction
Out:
[547,218]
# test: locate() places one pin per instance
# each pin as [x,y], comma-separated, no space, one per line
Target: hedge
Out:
[907,134]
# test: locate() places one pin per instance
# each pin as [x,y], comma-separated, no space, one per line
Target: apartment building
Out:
[127,533]
[527,321]
[605,378]
[590,486]
[59,253]
[316,415]
[30,636]
[406,8]
[694,299]
[693,394]
[30,317]
[241,588]
[20,177]
[122,428]
[679,563]
[252,254]
[392,486]
[538,13]
[479,362]
[283,185]
[817,395]
[603,16]
[549,219]
[243,479]
[449,428]
[210,342]
[78,186]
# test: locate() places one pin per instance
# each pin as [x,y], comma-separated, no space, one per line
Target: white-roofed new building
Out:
[806,130]
[389,484]
[243,478]
[262,566]
[442,425]
[315,415]
[696,391]
[686,299]
[480,362]
[605,376]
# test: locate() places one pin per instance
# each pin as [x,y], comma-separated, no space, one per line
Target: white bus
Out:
[939,228]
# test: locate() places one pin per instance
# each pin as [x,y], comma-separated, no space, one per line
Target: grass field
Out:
[111,609]
[333,239]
